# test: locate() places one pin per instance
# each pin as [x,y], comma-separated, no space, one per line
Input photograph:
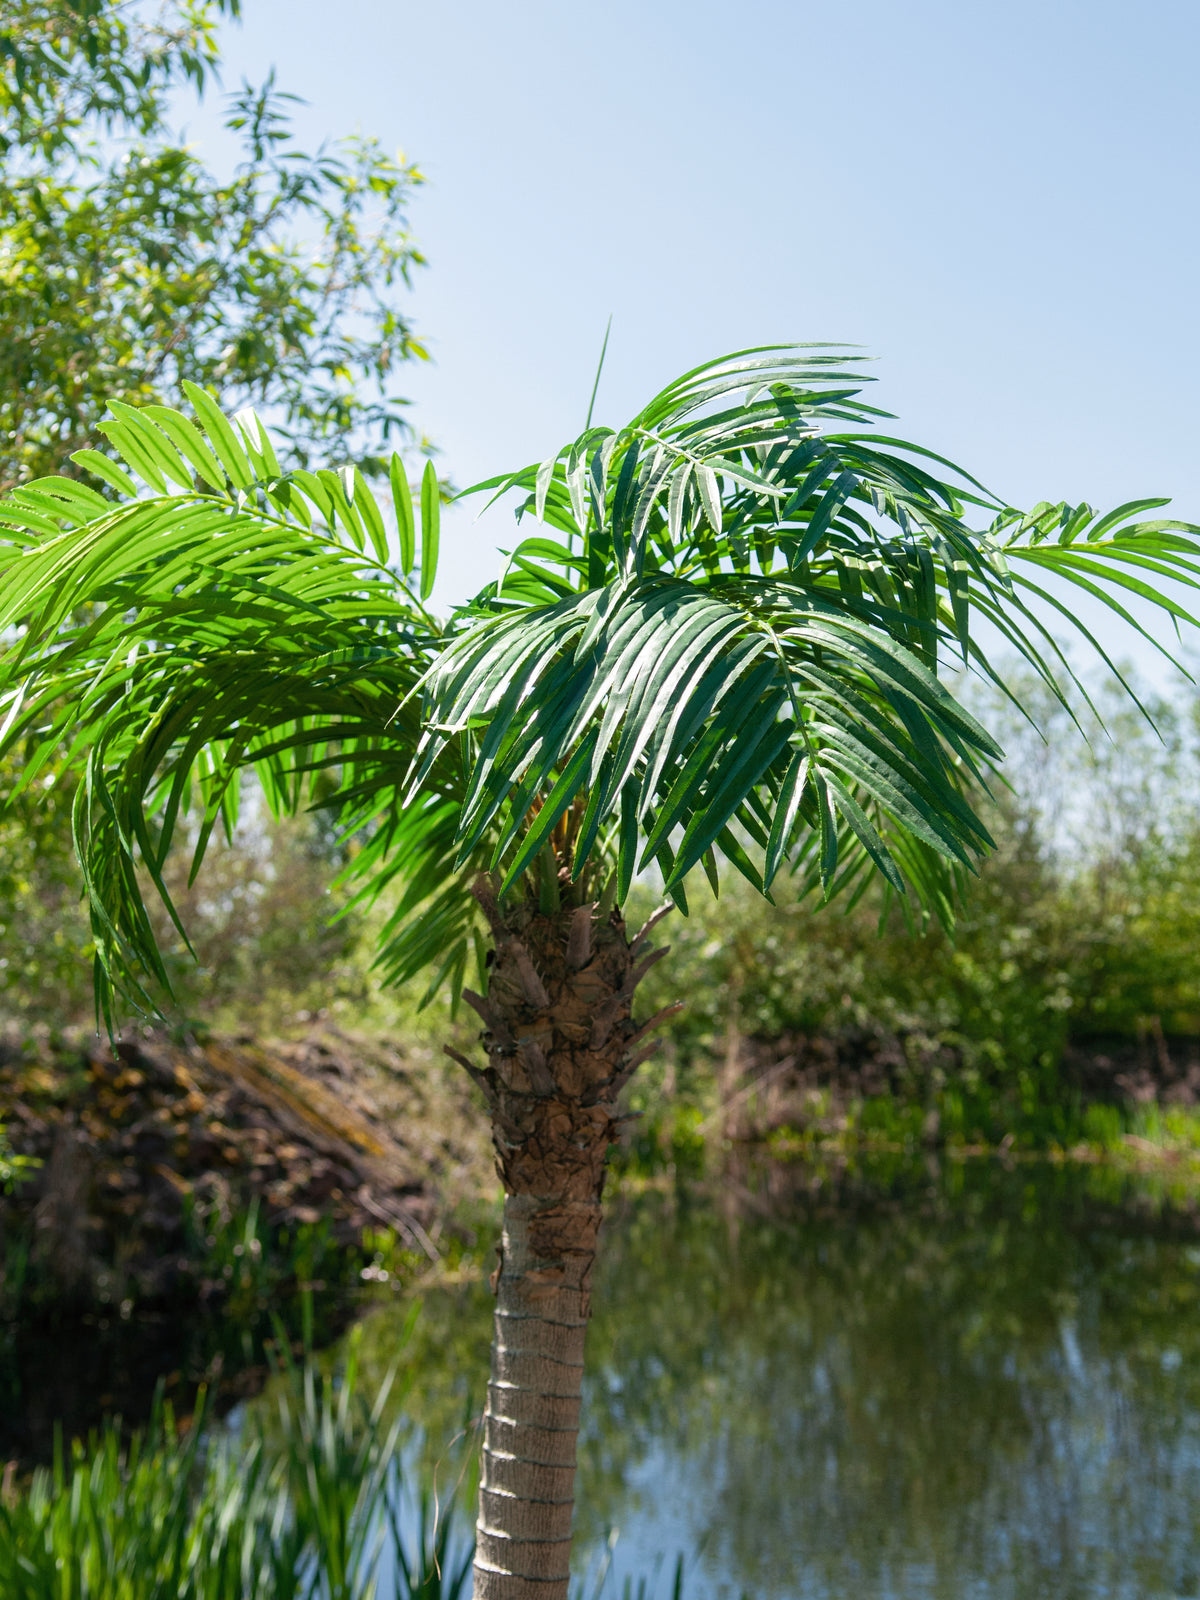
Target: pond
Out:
[986,1387]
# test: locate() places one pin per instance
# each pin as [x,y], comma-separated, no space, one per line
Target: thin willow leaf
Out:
[190,443]
[167,460]
[786,807]
[368,509]
[555,804]
[108,471]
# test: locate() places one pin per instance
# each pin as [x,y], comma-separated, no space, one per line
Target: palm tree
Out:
[726,645]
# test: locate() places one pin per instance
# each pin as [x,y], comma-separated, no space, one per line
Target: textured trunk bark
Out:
[561,1044]
[527,1487]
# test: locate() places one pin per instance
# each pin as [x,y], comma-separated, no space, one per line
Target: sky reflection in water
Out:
[988,1390]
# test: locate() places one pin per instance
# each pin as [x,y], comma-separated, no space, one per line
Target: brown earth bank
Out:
[151,1147]
[198,1201]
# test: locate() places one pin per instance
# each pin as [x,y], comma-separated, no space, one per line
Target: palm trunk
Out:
[527,1487]
[561,1044]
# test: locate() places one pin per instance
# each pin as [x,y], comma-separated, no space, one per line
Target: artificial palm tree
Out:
[724,646]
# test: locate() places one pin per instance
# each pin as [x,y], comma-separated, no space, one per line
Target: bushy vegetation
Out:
[265,939]
[128,267]
[321,1490]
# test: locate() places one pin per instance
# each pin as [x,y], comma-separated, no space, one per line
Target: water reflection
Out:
[977,1392]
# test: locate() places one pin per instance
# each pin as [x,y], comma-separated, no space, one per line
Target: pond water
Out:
[986,1388]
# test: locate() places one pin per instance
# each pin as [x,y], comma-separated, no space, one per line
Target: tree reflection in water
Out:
[986,1386]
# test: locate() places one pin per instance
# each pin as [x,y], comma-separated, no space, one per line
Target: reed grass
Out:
[298,1502]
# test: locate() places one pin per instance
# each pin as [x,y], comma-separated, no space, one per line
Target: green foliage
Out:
[44,931]
[225,683]
[770,970]
[265,940]
[741,654]
[1050,950]
[740,640]
[68,66]
[127,267]
[253,1268]
[299,1502]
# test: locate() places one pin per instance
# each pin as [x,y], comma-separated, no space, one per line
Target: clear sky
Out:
[998,200]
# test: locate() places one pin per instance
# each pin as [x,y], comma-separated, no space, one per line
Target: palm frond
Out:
[741,614]
[181,638]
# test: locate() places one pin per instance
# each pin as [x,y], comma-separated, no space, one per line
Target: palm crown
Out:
[726,637]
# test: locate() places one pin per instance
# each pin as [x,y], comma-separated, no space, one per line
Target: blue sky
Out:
[998,201]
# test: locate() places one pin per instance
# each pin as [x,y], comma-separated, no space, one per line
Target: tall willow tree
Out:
[726,646]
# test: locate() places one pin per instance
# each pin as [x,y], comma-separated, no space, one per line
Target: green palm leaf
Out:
[176,641]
